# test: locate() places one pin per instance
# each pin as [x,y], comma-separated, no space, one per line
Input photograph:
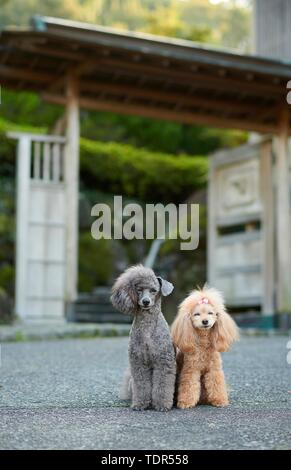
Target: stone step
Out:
[97,308]
[97,317]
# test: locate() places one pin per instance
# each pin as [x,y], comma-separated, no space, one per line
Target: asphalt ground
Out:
[63,394]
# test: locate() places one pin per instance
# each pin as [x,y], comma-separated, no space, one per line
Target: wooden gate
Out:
[241,226]
[41,227]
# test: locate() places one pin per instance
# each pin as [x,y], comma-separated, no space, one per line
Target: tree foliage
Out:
[226,23]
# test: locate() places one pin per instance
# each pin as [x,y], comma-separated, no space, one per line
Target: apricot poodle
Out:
[201,330]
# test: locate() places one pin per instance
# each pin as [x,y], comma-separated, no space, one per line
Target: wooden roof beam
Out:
[25,75]
[167,114]
[170,97]
[188,77]
[27,46]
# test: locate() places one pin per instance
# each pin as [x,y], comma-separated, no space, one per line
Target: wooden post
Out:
[283,216]
[267,192]
[72,186]
[23,177]
[211,227]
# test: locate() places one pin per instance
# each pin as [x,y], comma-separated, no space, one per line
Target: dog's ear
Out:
[225,331]
[123,296]
[166,286]
[182,331]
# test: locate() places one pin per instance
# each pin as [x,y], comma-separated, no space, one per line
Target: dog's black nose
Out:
[204,322]
[145,302]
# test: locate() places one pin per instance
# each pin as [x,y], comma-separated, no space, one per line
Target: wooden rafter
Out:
[172,97]
[162,113]
[203,79]
[24,74]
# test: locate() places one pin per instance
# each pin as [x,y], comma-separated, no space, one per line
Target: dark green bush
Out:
[95,262]
[123,169]
[7,234]
[147,176]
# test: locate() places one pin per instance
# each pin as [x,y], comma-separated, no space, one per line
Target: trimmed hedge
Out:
[123,169]
[95,262]
[138,173]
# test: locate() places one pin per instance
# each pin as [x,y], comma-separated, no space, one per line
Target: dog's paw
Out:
[162,408]
[185,406]
[140,407]
[219,404]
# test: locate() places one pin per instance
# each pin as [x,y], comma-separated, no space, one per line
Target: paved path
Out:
[48,330]
[63,395]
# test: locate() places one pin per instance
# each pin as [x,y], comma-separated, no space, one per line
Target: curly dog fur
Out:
[151,379]
[201,330]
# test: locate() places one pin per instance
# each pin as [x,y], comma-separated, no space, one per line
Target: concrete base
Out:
[282,321]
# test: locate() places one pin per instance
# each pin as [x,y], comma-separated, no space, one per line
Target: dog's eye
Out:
[139,289]
[153,291]
[196,314]
[210,313]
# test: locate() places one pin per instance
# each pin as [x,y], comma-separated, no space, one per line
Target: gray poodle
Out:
[151,379]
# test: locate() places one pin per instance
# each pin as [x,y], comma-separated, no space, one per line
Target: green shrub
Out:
[147,176]
[123,169]
[6,307]
[95,262]
[7,238]
[27,109]
[7,273]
